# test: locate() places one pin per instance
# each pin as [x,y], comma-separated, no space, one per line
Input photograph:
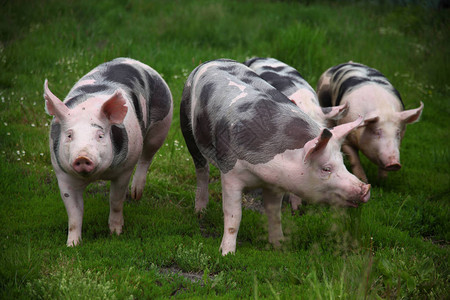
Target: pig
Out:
[258,138]
[115,117]
[288,81]
[369,93]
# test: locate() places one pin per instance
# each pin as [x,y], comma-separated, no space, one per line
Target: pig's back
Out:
[283,77]
[348,77]
[237,115]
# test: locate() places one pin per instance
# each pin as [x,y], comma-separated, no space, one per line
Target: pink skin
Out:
[315,173]
[85,154]
[380,137]
[307,101]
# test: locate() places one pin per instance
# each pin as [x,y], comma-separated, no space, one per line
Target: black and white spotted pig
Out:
[288,81]
[115,117]
[257,137]
[370,94]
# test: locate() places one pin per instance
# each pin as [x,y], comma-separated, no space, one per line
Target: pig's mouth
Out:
[352,203]
[364,197]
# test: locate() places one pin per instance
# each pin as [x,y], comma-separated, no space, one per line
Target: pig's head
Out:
[328,180]
[82,134]
[380,137]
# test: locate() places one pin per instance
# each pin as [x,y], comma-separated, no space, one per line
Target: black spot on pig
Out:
[250,61]
[203,128]
[124,74]
[119,140]
[298,132]
[295,73]
[92,88]
[159,105]
[138,111]
[244,107]
[225,156]
[348,84]
[277,81]
[186,129]
[205,94]
[55,135]
[324,96]
[274,69]
[75,100]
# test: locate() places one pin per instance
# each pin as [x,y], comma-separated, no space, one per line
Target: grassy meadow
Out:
[394,247]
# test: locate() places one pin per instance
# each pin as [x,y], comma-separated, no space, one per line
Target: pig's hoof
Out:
[277,242]
[136,193]
[116,230]
[116,227]
[137,187]
[73,243]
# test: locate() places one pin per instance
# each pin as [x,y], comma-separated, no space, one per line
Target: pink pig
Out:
[115,117]
[368,93]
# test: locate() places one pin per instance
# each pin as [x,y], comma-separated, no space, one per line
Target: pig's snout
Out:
[365,193]
[393,167]
[83,165]
[392,164]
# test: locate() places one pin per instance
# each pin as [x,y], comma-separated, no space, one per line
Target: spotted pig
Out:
[115,117]
[258,138]
[368,93]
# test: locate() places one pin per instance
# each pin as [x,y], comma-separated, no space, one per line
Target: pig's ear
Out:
[412,115]
[337,112]
[115,108]
[369,120]
[54,106]
[341,131]
[316,144]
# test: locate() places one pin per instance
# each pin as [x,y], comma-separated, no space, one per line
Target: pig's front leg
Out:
[72,196]
[201,195]
[232,212]
[355,163]
[117,194]
[272,207]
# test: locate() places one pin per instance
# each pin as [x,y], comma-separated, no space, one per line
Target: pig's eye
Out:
[69,135]
[326,169]
[378,132]
[100,135]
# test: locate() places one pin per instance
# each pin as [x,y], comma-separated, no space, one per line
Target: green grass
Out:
[395,247]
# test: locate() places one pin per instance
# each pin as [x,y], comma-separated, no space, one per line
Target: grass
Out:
[394,247]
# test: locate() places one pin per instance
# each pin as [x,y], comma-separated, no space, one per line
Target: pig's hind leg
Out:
[200,162]
[153,141]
